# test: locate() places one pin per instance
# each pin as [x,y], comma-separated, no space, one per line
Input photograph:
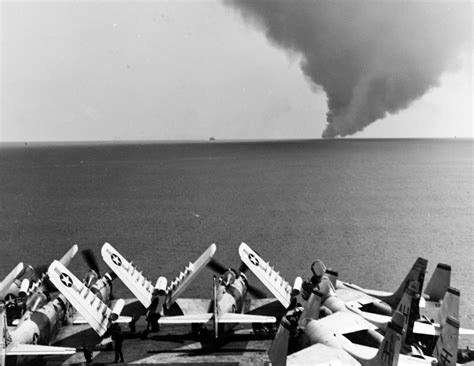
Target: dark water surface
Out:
[367,208]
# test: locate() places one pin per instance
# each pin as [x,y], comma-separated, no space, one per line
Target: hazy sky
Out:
[179,70]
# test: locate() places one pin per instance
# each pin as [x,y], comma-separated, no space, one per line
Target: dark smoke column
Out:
[371,58]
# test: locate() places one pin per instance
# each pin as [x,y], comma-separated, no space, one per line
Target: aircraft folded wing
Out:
[346,322]
[79,295]
[33,349]
[69,256]
[182,281]
[9,279]
[319,354]
[138,284]
[275,283]
[186,319]
[245,318]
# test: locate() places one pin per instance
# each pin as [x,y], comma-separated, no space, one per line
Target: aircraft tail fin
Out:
[447,346]
[389,350]
[416,273]
[91,307]
[9,279]
[449,306]
[409,308]
[439,282]
[182,281]
[272,279]
[279,348]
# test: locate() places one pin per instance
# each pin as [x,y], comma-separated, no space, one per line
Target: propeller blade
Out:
[90,259]
[256,292]
[217,266]
[243,267]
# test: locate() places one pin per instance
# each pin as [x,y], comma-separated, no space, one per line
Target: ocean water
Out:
[367,208]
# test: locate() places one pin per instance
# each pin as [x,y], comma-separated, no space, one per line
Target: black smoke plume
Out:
[370,57]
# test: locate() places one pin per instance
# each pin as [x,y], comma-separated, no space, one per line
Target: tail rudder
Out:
[447,346]
[389,350]
[439,282]
[449,307]
[416,273]
[279,348]
[409,308]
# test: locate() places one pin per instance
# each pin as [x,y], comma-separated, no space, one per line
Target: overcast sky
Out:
[180,70]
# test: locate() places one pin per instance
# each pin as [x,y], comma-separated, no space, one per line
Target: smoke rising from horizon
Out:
[371,58]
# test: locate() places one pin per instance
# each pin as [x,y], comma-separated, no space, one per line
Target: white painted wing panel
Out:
[182,281]
[138,284]
[86,303]
[346,322]
[186,319]
[320,354]
[9,279]
[272,280]
[245,318]
[31,349]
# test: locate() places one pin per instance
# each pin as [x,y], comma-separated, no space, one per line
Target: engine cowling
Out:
[160,286]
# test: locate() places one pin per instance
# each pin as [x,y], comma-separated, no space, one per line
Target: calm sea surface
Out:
[367,208]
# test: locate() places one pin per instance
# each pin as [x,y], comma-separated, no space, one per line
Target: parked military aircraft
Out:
[34,333]
[154,298]
[227,308]
[31,289]
[90,302]
[332,338]
[423,329]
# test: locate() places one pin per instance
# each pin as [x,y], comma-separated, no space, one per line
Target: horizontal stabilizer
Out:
[245,318]
[33,349]
[186,319]
[272,280]
[81,297]
[121,319]
[138,284]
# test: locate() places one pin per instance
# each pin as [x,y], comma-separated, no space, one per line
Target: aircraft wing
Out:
[345,322]
[182,281]
[138,284]
[33,349]
[186,319]
[319,354]
[86,302]
[9,279]
[275,283]
[245,318]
